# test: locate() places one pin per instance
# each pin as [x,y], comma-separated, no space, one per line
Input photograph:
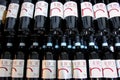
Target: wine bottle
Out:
[108,62]
[6,60]
[40,16]
[3,4]
[117,54]
[26,16]
[114,14]
[33,62]
[64,64]
[71,16]
[79,62]
[100,16]
[87,16]
[49,62]
[11,17]
[18,67]
[56,16]
[95,62]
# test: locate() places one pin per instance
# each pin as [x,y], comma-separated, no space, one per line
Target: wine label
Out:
[48,69]
[56,9]
[95,68]
[79,69]
[113,9]
[70,9]
[18,68]
[41,9]
[2,10]
[109,69]
[64,69]
[5,67]
[118,67]
[100,10]
[13,10]
[27,10]
[33,68]
[87,9]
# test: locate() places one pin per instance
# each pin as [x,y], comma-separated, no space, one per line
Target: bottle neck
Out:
[85,0]
[28,1]
[98,1]
[3,2]
[15,1]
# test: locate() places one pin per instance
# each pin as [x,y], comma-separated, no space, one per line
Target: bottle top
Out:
[56,44]
[77,41]
[49,42]
[91,41]
[105,43]
[69,43]
[63,41]
[117,40]
[22,44]
[35,44]
[9,44]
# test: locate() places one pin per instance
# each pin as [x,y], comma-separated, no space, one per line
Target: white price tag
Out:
[41,8]
[100,10]
[56,9]
[109,69]
[18,68]
[87,9]
[79,69]
[70,9]
[13,10]
[48,69]
[27,10]
[2,10]
[33,68]
[113,9]
[64,69]
[95,68]
[5,67]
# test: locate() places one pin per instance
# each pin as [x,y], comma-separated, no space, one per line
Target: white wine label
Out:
[87,9]
[41,9]
[64,69]
[33,68]
[118,67]
[95,68]
[2,10]
[13,10]
[109,69]
[79,69]
[56,9]
[27,10]
[100,10]
[113,9]
[5,67]
[48,69]
[70,9]
[18,68]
